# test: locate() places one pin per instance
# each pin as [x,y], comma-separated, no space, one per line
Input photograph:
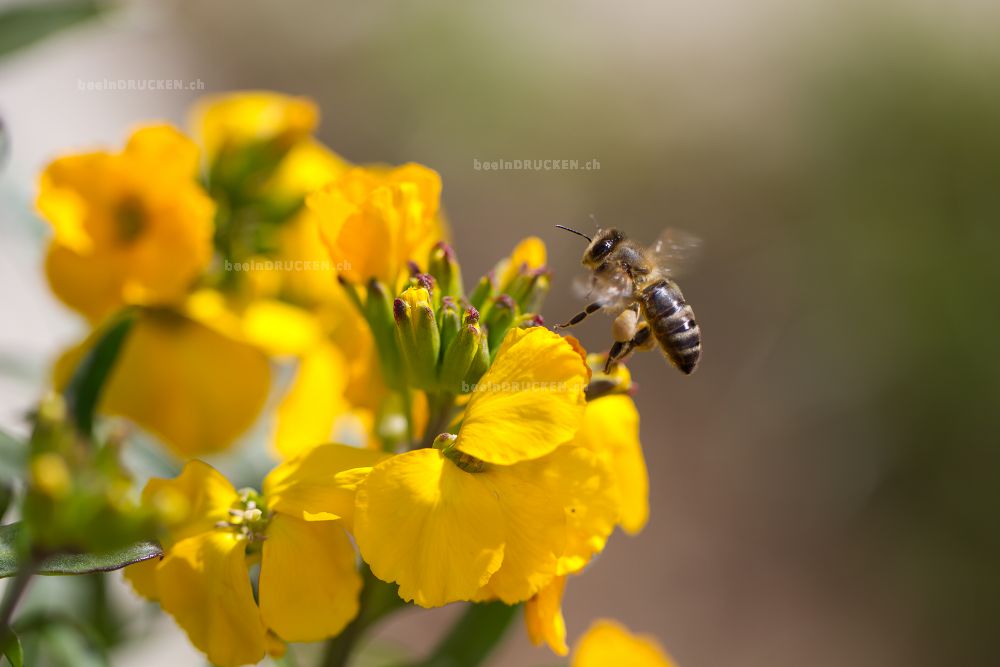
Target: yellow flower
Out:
[191,385]
[237,119]
[528,255]
[303,273]
[314,403]
[130,228]
[544,618]
[529,402]
[374,219]
[448,525]
[309,583]
[619,496]
[608,643]
[611,430]
[307,167]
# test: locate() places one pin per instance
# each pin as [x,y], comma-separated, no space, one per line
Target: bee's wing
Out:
[612,291]
[675,251]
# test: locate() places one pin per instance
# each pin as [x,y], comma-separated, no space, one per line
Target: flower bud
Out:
[427,282]
[378,311]
[537,291]
[480,364]
[449,321]
[443,265]
[458,358]
[485,289]
[530,320]
[418,336]
[499,319]
[50,475]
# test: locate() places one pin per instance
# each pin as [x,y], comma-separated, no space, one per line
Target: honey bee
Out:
[634,285]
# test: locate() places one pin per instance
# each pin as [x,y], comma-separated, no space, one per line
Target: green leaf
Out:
[79,563]
[11,649]
[84,389]
[12,456]
[471,640]
[24,25]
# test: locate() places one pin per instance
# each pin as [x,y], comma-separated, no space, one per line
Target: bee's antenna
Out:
[575,232]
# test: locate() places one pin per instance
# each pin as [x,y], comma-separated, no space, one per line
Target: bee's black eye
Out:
[602,248]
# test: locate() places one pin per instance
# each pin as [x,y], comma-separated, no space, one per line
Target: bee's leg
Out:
[581,316]
[620,350]
[624,327]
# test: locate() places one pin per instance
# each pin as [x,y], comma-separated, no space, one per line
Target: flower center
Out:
[248,516]
[130,219]
[446,443]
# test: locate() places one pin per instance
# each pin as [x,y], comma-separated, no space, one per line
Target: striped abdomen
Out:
[672,322]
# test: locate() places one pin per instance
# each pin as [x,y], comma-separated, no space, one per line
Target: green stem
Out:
[378,600]
[474,637]
[439,407]
[11,596]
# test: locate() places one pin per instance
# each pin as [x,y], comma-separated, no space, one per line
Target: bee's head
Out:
[601,247]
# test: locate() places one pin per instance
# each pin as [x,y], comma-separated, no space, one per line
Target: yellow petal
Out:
[309,581]
[66,193]
[280,329]
[531,496]
[164,147]
[349,331]
[608,643]
[544,618]
[424,523]
[191,503]
[73,280]
[308,166]
[253,116]
[142,576]
[591,501]
[276,648]
[529,255]
[529,402]
[204,584]
[310,408]
[374,219]
[320,483]
[299,245]
[195,388]
[611,429]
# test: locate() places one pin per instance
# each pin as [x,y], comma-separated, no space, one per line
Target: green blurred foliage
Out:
[25,24]
[898,260]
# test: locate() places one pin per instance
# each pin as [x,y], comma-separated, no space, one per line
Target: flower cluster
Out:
[481,457]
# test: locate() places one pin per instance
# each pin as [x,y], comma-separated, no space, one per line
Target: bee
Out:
[633,284]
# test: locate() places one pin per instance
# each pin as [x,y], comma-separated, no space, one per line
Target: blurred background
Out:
[825,487]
